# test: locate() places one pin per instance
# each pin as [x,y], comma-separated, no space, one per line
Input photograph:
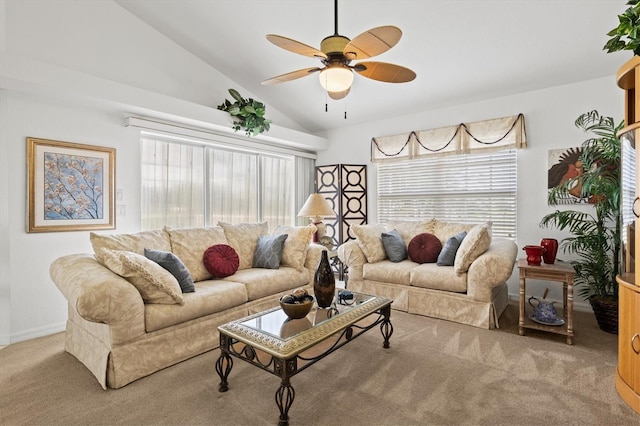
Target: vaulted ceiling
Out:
[462,50]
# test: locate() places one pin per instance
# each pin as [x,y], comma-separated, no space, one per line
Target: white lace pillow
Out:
[476,242]
[370,241]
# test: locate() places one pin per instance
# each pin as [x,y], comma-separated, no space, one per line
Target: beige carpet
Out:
[436,372]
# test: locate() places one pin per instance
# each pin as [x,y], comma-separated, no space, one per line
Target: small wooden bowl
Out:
[297,310]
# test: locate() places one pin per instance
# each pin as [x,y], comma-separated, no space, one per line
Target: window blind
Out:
[469,188]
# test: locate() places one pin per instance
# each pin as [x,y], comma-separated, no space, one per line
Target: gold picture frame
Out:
[71,186]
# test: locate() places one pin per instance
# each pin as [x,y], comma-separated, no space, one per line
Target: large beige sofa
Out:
[121,332]
[472,291]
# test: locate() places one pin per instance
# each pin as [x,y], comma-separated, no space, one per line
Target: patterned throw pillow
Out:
[190,243]
[269,251]
[446,230]
[243,237]
[155,284]
[174,265]
[156,240]
[448,254]
[370,242]
[409,229]
[424,248]
[394,246]
[221,260]
[296,245]
[476,242]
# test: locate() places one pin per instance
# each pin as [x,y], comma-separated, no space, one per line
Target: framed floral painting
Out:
[71,186]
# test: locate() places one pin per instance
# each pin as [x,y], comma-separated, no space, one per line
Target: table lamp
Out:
[316,207]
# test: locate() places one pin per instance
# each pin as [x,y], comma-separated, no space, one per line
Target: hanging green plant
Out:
[247,113]
[626,36]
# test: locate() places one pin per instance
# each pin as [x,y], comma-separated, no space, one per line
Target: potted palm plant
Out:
[595,235]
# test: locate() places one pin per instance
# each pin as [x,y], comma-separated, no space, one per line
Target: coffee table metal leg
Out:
[284,399]
[285,368]
[386,327]
[224,364]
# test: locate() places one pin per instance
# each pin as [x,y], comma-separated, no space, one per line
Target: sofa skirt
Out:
[456,307]
[115,366]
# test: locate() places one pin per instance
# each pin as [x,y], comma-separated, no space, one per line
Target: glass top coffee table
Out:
[284,347]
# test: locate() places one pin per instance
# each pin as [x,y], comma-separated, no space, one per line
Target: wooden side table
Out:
[561,272]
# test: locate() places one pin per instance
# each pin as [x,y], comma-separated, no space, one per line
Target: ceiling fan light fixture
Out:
[336,53]
[336,78]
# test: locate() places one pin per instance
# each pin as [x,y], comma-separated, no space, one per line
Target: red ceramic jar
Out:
[534,254]
[550,250]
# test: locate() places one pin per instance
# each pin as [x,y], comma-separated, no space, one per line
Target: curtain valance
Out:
[487,135]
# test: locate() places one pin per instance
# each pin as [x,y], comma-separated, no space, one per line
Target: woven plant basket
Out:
[606,311]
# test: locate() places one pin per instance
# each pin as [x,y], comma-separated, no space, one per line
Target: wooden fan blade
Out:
[290,76]
[295,46]
[339,95]
[383,71]
[373,42]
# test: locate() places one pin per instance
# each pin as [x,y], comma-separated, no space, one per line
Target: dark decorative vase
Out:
[551,249]
[324,283]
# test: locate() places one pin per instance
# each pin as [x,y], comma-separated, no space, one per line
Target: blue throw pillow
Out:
[448,254]
[268,253]
[174,265]
[394,246]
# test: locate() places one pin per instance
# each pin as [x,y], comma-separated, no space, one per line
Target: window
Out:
[470,188]
[193,183]
[172,185]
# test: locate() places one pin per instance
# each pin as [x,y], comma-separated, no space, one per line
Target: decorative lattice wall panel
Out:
[345,187]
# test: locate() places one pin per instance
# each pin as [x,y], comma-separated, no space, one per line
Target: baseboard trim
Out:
[57,328]
[37,332]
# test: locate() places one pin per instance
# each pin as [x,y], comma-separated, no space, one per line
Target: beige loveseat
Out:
[122,332]
[471,291]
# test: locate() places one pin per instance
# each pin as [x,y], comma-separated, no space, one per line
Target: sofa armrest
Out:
[350,254]
[491,269]
[314,253]
[353,258]
[98,295]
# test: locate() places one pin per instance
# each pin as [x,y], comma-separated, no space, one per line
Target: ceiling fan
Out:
[336,53]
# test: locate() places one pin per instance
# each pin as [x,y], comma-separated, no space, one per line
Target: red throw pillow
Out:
[424,248]
[221,260]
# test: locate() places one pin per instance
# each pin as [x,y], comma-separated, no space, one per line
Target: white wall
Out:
[549,117]
[36,305]
[71,71]
[101,39]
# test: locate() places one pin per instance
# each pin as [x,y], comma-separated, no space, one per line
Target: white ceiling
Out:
[461,50]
